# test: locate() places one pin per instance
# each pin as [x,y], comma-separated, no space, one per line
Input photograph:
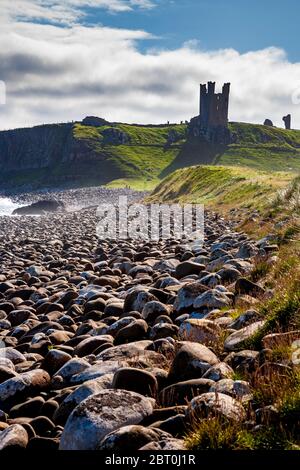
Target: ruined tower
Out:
[212,122]
[287,121]
[214,106]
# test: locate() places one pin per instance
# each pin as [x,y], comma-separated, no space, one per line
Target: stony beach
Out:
[122,345]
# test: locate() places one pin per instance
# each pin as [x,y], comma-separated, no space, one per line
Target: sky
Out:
[143,60]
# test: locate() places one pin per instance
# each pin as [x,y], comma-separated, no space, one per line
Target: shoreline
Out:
[75,199]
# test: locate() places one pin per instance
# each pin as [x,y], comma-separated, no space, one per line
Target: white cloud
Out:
[64,11]
[56,74]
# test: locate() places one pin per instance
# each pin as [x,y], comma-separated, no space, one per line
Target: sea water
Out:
[7,206]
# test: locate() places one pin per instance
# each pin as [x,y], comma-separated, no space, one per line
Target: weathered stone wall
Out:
[212,123]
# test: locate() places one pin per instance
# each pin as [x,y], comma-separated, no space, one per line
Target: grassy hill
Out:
[78,155]
[220,187]
[263,147]
[147,158]
[140,162]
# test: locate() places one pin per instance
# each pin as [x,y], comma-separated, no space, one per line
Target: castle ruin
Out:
[287,121]
[212,122]
[214,106]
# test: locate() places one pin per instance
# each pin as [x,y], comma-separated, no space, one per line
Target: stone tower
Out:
[212,123]
[214,106]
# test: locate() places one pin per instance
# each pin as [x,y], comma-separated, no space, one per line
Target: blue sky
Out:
[244,25]
[143,60]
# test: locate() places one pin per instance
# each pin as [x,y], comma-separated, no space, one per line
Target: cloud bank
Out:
[63,72]
[65,11]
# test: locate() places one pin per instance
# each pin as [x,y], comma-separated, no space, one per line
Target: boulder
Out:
[131,438]
[212,299]
[247,250]
[218,372]
[70,368]
[181,393]
[166,265]
[202,331]
[229,274]
[243,361]
[22,386]
[239,389]
[6,373]
[13,437]
[237,340]
[90,387]
[30,408]
[42,426]
[188,267]
[211,280]
[97,370]
[136,380]
[40,207]
[16,317]
[137,330]
[54,360]
[250,316]
[154,309]
[215,404]
[244,286]
[100,414]
[163,330]
[13,355]
[175,425]
[191,362]
[137,299]
[89,345]
[187,294]
[124,351]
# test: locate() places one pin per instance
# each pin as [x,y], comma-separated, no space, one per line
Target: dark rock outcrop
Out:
[114,136]
[40,207]
[287,121]
[94,121]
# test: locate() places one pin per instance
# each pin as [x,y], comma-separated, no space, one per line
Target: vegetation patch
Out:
[220,187]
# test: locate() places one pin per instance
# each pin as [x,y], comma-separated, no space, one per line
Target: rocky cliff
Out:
[85,153]
[96,152]
[35,148]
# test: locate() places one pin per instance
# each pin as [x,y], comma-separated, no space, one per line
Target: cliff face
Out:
[50,155]
[94,152]
[35,148]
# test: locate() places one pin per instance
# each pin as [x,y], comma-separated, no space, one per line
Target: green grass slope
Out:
[220,187]
[138,163]
[83,155]
[147,159]
[263,147]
